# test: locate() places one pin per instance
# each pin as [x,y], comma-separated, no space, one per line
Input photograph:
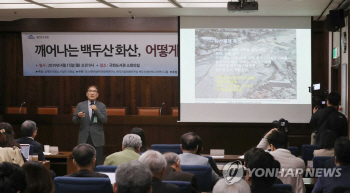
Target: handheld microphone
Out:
[160,110]
[20,107]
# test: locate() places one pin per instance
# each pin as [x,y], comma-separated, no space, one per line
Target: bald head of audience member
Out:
[172,160]
[155,161]
[189,142]
[342,152]
[133,141]
[84,157]
[133,177]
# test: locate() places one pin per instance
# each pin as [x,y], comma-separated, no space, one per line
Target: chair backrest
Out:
[148,111]
[47,110]
[102,168]
[185,187]
[82,185]
[116,111]
[294,150]
[174,111]
[307,152]
[286,187]
[319,161]
[162,148]
[31,149]
[15,110]
[203,175]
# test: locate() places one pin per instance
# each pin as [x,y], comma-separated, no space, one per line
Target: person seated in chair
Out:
[326,144]
[157,163]
[278,143]
[133,177]
[84,158]
[131,146]
[29,131]
[341,176]
[173,171]
[189,147]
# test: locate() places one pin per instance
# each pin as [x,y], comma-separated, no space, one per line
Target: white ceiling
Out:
[266,8]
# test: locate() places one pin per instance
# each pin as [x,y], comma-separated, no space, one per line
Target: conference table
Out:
[61,163]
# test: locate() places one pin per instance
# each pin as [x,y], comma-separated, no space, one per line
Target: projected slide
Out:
[245,64]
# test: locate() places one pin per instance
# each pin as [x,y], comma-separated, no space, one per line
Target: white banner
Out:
[99,54]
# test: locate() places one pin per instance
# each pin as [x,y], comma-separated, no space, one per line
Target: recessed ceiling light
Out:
[144,5]
[78,5]
[201,5]
[66,1]
[137,1]
[21,6]
[13,1]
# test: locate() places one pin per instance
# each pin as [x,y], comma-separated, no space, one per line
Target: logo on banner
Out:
[31,37]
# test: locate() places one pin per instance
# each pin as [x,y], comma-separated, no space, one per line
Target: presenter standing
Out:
[91,115]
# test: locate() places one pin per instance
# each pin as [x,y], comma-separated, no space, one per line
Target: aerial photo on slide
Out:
[245,64]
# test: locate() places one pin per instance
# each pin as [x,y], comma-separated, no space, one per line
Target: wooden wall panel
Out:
[131,92]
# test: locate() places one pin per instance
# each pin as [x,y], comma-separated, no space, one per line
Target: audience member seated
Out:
[7,140]
[341,175]
[131,146]
[252,153]
[157,163]
[326,144]
[278,143]
[262,172]
[12,178]
[39,179]
[212,162]
[84,158]
[138,131]
[29,132]
[189,147]
[133,177]
[239,187]
[173,171]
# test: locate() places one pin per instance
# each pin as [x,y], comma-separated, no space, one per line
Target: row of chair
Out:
[143,111]
[103,185]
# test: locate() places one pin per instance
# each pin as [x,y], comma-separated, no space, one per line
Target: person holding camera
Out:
[329,118]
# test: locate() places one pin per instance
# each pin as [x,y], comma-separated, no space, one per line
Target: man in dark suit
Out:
[84,158]
[341,173]
[91,115]
[29,131]
[157,163]
[173,171]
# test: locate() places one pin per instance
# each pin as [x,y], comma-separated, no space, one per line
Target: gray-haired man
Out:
[157,163]
[131,151]
[133,177]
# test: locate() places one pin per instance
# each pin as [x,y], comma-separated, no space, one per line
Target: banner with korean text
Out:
[99,54]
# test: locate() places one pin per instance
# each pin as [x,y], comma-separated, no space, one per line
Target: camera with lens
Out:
[281,125]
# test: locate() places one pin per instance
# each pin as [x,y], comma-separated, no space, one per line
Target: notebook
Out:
[25,150]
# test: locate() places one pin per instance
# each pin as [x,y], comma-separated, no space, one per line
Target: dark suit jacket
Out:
[160,187]
[172,175]
[87,173]
[340,178]
[38,148]
[87,125]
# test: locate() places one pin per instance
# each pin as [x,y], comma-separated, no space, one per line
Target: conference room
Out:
[189,66]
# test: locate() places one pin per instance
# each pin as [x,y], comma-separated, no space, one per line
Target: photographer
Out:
[329,118]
